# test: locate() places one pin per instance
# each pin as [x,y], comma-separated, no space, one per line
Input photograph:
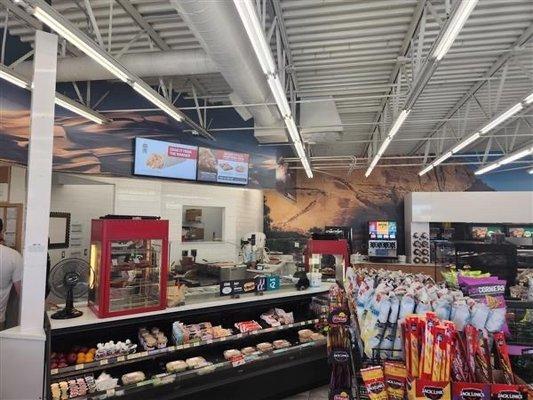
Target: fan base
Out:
[66,313]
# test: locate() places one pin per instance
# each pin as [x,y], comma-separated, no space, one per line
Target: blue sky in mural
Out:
[516,180]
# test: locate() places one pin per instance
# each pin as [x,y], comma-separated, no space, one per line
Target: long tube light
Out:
[453,27]
[46,14]
[71,105]
[491,125]
[530,172]
[442,158]
[464,143]
[521,153]
[61,100]
[254,30]
[426,170]
[6,74]
[62,30]
[502,117]
[393,131]
[153,97]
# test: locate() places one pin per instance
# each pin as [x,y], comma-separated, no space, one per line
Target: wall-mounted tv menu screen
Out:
[165,159]
[222,166]
[382,230]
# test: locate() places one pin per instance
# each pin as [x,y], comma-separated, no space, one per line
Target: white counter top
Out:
[89,318]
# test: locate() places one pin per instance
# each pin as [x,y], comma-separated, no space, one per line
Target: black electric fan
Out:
[69,280]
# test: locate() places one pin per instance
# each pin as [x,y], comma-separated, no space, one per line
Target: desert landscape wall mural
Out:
[341,199]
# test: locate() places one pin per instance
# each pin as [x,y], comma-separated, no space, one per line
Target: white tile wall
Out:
[243,209]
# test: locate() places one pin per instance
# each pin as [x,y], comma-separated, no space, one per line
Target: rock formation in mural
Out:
[336,198]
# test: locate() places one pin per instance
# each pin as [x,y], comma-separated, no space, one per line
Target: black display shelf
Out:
[59,373]
[193,381]
[272,376]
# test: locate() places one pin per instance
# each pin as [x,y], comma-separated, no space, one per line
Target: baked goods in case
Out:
[176,366]
[232,353]
[264,347]
[248,350]
[195,362]
[281,344]
[133,377]
[305,335]
[317,336]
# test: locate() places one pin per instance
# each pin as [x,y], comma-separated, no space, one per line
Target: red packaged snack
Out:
[502,352]
[248,326]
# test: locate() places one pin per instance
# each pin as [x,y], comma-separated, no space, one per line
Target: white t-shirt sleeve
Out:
[17,267]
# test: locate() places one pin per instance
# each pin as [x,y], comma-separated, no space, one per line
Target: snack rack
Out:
[129,262]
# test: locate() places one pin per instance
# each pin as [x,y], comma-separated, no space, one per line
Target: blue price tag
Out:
[273,283]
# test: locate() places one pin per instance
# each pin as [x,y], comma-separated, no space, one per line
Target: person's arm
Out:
[17,273]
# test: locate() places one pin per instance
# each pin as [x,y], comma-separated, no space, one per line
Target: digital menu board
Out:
[222,166]
[521,232]
[165,159]
[382,229]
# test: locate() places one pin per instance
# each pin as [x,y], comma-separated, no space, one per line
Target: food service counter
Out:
[433,271]
[300,366]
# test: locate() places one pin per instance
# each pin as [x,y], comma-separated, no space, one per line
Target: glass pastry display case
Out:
[129,262]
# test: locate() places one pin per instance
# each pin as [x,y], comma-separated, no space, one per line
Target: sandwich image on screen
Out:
[222,166]
[165,159]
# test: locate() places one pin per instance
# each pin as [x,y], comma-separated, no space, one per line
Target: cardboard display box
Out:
[422,389]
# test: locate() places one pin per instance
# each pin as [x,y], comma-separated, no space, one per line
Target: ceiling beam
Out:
[500,62]
[415,20]
[138,18]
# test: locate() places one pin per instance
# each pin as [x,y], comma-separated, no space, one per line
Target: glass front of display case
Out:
[94,273]
[135,274]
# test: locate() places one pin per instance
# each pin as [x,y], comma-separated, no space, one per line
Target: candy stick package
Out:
[439,351]
[395,380]
[374,383]
[503,355]
[428,339]
[471,342]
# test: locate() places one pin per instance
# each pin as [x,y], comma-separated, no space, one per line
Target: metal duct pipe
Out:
[219,30]
[157,63]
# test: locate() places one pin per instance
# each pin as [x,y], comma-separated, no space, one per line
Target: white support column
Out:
[22,349]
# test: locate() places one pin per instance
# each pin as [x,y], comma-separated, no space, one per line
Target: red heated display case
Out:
[129,264]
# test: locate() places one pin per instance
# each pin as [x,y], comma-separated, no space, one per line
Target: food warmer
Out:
[129,261]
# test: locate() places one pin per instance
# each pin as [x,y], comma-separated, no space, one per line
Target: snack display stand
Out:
[427,348]
[220,376]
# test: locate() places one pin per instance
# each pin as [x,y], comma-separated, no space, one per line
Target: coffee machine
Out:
[382,240]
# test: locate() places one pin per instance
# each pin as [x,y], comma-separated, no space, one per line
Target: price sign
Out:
[273,283]
[231,288]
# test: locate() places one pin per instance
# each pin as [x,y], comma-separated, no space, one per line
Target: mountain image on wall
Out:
[335,198]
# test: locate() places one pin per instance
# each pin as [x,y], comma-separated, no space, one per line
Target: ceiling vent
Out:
[320,120]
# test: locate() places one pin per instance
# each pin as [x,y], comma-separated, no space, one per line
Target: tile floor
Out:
[320,393]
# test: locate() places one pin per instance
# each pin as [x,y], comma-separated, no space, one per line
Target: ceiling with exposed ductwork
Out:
[359,58]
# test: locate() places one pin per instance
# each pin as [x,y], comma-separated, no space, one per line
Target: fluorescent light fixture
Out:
[152,96]
[426,170]
[454,26]
[486,169]
[502,117]
[78,110]
[279,95]
[71,36]
[254,29]
[293,130]
[12,78]
[506,159]
[393,131]
[529,99]
[516,156]
[469,140]
[398,123]
[530,172]
[442,158]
